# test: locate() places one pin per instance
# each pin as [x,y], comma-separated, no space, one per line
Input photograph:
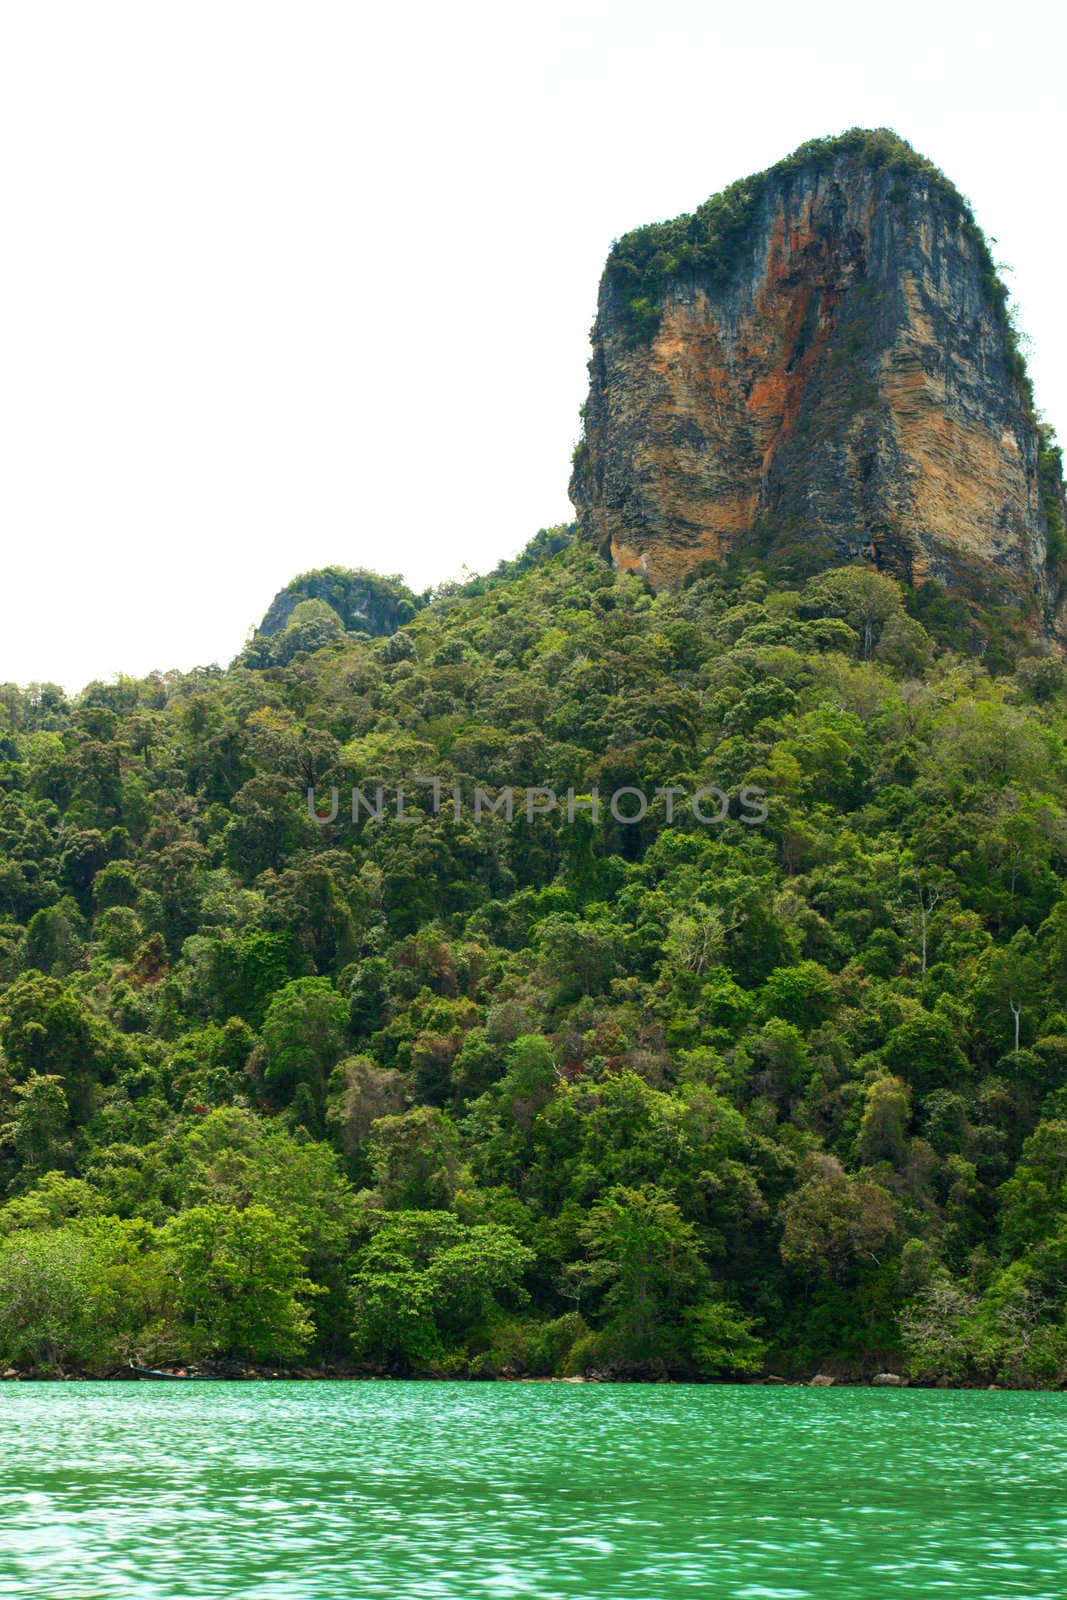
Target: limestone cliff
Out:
[818,360]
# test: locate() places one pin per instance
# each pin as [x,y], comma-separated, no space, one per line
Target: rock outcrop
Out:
[319,607]
[819,363]
[364,601]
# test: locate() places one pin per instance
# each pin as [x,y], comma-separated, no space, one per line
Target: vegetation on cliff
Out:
[706,245]
[547,1096]
[317,607]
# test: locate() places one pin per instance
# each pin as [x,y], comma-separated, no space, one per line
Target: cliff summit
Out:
[819,363]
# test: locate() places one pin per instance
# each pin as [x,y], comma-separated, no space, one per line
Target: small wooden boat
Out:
[155,1372]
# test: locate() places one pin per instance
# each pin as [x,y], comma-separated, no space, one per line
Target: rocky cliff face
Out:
[818,360]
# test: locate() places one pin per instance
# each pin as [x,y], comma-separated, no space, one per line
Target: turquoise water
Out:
[458,1491]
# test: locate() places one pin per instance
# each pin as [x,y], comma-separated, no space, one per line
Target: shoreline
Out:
[325,1375]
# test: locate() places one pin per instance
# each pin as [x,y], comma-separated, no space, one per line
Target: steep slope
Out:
[819,358]
[806,1077]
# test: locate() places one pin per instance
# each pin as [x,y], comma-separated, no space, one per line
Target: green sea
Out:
[345,1491]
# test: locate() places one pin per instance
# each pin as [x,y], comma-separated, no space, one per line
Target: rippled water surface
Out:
[458,1491]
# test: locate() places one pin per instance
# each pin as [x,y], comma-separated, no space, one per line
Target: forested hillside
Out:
[477,1097]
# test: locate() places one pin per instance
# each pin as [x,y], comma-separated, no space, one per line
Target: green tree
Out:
[645,1258]
[425,1281]
[49,1300]
[1034,1199]
[86,1294]
[720,1341]
[835,1225]
[864,599]
[303,1037]
[803,994]
[40,1127]
[415,1158]
[923,1052]
[884,1126]
[242,1288]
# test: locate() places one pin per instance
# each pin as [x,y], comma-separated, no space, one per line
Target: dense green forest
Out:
[471,1096]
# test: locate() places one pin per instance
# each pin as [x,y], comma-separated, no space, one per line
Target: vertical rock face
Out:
[818,359]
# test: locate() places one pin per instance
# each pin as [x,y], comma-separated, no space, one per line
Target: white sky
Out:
[290,284]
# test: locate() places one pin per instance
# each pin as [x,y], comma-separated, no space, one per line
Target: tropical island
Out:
[577,1091]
